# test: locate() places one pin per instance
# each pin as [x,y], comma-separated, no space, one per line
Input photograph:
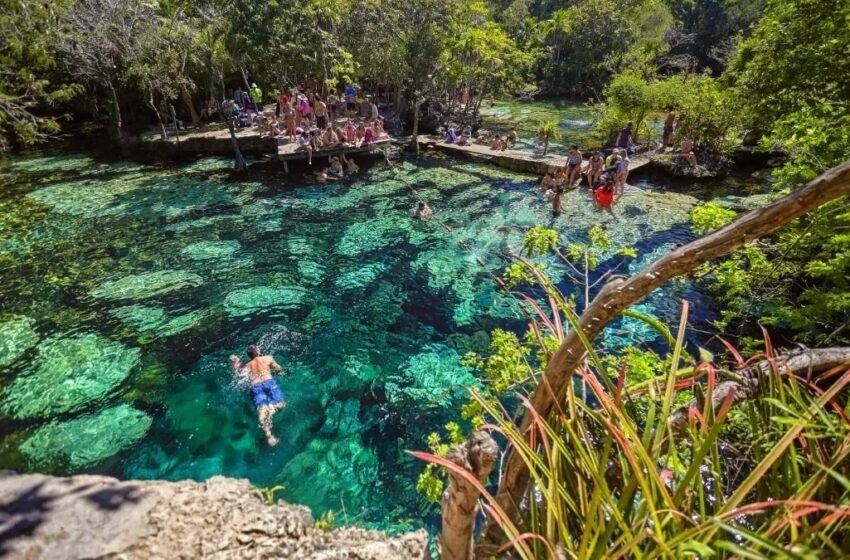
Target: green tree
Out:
[29,77]
[548,130]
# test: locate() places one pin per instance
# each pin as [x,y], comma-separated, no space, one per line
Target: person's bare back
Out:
[260,369]
[266,395]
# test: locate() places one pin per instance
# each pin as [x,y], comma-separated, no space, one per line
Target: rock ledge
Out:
[101,517]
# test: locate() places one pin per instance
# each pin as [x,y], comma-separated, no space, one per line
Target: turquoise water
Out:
[124,288]
[575,121]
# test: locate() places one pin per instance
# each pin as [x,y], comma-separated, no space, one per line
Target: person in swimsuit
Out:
[265,392]
[594,169]
[603,196]
[558,190]
[574,160]
[320,109]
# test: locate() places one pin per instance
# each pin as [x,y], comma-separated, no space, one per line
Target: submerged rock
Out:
[69,373]
[250,300]
[147,284]
[224,518]
[85,441]
[16,337]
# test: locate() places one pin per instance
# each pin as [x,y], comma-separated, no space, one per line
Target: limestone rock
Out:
[87,516]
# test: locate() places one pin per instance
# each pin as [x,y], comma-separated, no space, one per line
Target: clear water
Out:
[575,121]
[124,288]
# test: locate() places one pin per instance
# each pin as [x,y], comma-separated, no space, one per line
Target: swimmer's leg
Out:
[265,414]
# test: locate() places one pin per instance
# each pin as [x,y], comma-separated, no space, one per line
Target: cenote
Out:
[125,288]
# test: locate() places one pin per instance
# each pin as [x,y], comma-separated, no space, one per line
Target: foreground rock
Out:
[100,517]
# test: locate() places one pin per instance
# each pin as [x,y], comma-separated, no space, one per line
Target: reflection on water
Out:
[124,289]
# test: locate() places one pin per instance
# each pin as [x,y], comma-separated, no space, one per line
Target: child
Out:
[340,136]
[359,135]
[369,137]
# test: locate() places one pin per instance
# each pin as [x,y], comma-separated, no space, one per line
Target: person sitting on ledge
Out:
[305,143]
[329,139]
[686,151]
[498,143]
[512,137]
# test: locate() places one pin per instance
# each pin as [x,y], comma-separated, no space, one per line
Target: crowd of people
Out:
[311,120]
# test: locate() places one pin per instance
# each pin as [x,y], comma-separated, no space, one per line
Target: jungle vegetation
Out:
[770,74]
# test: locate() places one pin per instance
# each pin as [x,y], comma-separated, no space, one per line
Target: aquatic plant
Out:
[360,277]
[434,377]
[246,301]
[16,337]
[85,441]
[147,284]
[70,372]
[210,250]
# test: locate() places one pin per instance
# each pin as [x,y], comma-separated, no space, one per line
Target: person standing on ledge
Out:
[265,392]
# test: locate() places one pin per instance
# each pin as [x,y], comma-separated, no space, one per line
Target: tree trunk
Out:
[245,80]
[162,130]
[806,362]
[415,138]
[119,127]
[619,294]
[477,455]
[237,153]
[545,145]
[187,100]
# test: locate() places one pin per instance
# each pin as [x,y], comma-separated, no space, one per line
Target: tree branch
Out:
[807,362]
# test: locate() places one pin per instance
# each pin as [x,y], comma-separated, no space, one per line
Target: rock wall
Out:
[86,516]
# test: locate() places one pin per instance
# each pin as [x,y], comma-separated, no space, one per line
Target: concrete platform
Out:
[514,160]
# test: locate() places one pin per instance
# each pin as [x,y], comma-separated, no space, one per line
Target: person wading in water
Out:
[265,392]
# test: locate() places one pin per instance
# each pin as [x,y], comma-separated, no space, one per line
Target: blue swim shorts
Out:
[266,393]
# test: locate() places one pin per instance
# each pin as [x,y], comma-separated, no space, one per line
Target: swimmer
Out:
[265,392]
[423,211]
[350,166]
[336,167]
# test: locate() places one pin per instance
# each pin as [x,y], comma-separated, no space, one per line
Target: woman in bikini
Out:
[574,161]
[594,171]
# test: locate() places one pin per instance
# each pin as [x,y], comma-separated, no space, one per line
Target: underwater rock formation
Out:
[16,337]
[249,300]
[85,441]
[69,373]
[147,284]
[222,518]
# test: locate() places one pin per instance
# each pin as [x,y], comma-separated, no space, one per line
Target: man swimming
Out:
[265,392]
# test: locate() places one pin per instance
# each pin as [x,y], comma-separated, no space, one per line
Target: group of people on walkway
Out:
[606,176]
[311,120]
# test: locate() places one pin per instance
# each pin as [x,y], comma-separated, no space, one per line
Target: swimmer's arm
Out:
[236,363]
[274,366]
